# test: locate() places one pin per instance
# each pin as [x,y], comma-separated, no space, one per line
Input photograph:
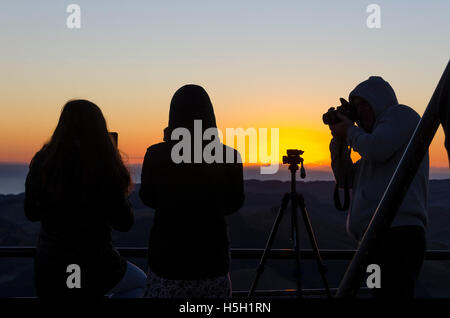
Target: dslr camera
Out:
[346,109]
[293,157]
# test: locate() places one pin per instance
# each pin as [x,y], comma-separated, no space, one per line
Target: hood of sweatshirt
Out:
[189,103]
[377,92]
[381,150]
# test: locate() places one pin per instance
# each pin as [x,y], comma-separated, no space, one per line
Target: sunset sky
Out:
[269,64]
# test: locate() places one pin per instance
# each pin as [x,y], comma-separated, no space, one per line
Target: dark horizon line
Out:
[253,180]
[19,163]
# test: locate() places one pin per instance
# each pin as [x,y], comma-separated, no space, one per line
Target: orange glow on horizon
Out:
[136,133]
[314,143]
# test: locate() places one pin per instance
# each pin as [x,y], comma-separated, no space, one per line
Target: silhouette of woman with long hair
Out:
[188,252]
[77,187]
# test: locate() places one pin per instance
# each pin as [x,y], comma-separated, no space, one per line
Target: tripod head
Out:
[294,159]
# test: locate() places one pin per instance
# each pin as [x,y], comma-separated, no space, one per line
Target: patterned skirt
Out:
[160,287]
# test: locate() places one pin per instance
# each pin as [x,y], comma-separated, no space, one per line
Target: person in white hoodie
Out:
[384,130]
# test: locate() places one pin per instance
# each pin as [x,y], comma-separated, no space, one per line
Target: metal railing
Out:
[243,253]
[236,253]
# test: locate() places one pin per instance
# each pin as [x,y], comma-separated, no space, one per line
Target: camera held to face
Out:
[346,109]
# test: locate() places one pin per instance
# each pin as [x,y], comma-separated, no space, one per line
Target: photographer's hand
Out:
[340,129]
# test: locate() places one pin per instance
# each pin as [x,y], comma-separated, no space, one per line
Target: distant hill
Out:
[248,228]
[13,175]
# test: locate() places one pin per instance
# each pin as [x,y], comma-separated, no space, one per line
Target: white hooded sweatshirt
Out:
[380,152]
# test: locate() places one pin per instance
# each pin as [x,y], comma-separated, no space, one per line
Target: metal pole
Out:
[398,185]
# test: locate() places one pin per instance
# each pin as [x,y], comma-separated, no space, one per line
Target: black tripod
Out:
[293,159]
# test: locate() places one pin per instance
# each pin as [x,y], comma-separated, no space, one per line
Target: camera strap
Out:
[337,199]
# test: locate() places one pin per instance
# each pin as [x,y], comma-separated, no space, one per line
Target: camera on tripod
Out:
[297,203]
[293,157]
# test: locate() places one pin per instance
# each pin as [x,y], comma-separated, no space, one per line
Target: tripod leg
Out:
[312,238]
[260,268]
[296,237]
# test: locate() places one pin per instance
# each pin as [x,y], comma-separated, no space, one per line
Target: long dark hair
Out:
[81,153]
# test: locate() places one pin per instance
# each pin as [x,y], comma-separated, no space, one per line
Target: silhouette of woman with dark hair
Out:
[77,187]
[188,252]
